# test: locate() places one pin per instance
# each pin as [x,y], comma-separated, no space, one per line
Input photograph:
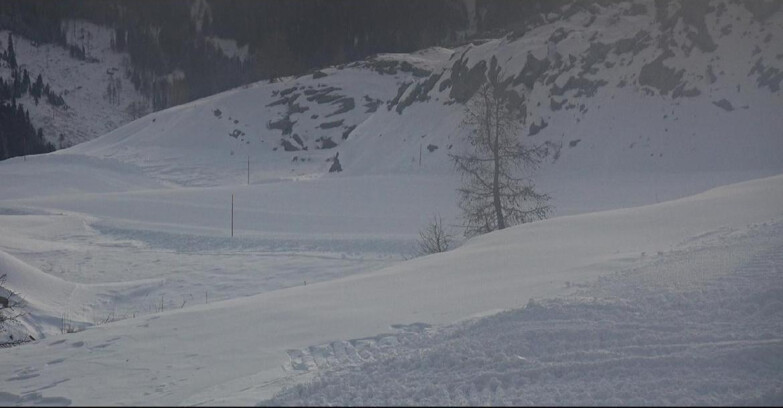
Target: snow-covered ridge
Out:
[622,86]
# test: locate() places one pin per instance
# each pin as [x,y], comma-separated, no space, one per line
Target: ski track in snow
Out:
[701,325]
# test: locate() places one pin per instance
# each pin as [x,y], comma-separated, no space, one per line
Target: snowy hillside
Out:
[89,110]
[242,351]
[624,93]
[204,254]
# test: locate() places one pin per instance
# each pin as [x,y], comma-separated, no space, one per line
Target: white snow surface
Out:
[236,352]
[128,237]
[700,325]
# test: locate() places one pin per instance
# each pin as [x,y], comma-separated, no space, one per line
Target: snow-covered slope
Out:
[243,350]
[621,94]
[49,303]
[627,93]
[89,112]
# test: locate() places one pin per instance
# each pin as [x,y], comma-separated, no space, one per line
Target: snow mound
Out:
[49,302]
[249,344]
[708,334]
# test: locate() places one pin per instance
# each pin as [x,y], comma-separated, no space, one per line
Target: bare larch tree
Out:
[496,189]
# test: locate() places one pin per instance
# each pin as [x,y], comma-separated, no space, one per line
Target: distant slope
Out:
[623,93]
[83,83]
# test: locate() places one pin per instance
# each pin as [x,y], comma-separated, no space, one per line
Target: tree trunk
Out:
[496,171]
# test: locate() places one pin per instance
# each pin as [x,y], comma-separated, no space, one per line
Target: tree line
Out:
[18,136]
[287,37]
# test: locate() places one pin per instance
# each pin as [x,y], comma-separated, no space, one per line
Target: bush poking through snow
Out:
[10,303]
[433,238]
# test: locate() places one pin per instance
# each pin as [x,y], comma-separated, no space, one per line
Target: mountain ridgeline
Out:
[682,60]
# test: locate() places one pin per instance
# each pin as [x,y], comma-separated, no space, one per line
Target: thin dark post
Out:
[232,215]
[420,155]
[248,169]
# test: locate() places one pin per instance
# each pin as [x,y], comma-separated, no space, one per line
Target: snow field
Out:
[240,351]
[136,223]
[699,326]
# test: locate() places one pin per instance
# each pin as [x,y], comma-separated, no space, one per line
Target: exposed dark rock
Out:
[556,106]
[444,84]
[724,104]
[384,67]
[336,167]
[348,131]
[285,125]
[322,96]
[761,10]
[329,125]
[767,76]
[532,71]
[465,82]
[680,91]
[574,142]
[285,92]
[633,45]
[326,142]
[217,112]
[537,127]
[346,104]
[659,76]
[596,53]
[288,146]
[318,74]
[711,74]
[406,66]
[371,104]
[420,92]
[400,91]
[284,100]
[432,147]
[584,86]
[693,12]
[296,108]
[391,67]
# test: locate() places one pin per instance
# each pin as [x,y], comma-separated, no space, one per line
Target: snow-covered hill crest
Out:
[632,86]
